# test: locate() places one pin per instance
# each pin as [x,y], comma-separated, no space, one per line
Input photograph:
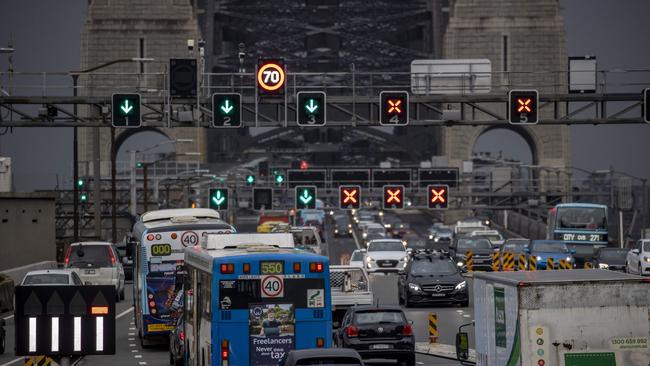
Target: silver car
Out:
[62,277]
[97,263]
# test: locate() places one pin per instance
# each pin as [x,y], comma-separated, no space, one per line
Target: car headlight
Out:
[369,259]
[487,222]
[404,242]
[405,259]
[459,264]
[538,258]
[461,285]
[349,226]
[436,240]
[365,235]
[603,265]
[568,259]
[381,213]
[387,226]
[430,237]
[336,231]
[647,259]
[331,213]
[414,287]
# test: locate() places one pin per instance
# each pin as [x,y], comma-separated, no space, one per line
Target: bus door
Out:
[191,329]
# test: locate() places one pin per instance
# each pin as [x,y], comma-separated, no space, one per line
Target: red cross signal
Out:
[438,196]
[349,197]
[393,197]
[524,105]
[394,106]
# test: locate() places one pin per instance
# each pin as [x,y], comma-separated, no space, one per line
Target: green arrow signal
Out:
[279,179]
[250,179]
[125,107]
[306,197]
[311,107]
[226,107]
[218,199]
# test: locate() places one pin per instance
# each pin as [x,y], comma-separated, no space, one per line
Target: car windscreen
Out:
[514,248]
[467,244]
[378,317]
[444,232]
[329,361]
[90,256]
[646,247]
[550,247]
[357,256]
[383,246]
[46,279]
[468,229]
[425,267]
[376,230]
[419,244]
[618,254]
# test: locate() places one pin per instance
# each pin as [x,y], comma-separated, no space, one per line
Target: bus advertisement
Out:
[159,239]
[253,297]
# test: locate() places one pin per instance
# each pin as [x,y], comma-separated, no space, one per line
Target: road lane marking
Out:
[131,333]
[137,356]
[132,338]
[131,328]
[134,351]
[142,363]
[12,362]
[132,345]
[124,312]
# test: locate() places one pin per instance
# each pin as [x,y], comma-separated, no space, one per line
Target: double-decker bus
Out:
[583,226]
[250,298]
[157,243]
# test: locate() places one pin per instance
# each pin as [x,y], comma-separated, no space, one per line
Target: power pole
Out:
[134,201]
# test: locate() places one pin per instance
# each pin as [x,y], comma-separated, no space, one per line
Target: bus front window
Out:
[582,218]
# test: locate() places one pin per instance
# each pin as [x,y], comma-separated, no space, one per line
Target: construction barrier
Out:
[495,262]
[39,361]
[433,328]
[589,265]
[470,261]
[508,261]
[565,264]
[550,264]
[521,262]
[532,263]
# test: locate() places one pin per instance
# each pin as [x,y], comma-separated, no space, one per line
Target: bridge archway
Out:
[139,139]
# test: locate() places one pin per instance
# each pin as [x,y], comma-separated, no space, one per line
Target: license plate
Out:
[437,295]
[380,346]
[89,271]
[386,265]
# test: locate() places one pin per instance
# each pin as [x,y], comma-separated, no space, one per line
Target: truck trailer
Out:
[561,318]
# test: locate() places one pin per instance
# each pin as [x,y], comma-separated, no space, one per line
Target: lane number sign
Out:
[272,287]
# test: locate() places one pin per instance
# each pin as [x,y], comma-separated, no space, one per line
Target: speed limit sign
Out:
[272,286]
[271,76]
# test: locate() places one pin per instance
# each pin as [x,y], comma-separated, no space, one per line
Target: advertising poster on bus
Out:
[272,332]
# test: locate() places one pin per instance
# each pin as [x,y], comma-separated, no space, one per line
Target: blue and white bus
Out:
[157,243]
[250,298]
[583,226]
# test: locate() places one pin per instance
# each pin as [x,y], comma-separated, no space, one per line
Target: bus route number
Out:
[189,239]
[159,250]
[272,287]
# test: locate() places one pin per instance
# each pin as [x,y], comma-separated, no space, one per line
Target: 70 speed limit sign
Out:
[271,76]
[272,287]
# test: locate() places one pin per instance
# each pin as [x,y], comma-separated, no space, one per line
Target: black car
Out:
[341,226]
[177,344]
[378,332]
[481,251]
[321,356]
[432,278]
[610,258]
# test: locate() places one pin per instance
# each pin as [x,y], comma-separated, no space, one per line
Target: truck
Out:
[560,318]
[350,286]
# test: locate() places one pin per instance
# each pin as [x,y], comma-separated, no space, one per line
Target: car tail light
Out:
[227,268]
[67,255]
[224,351]
[316,267]
[408,330]
[181,336]
[110,253]
[353,331]
[320,342]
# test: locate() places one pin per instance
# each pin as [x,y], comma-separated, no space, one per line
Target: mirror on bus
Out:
[130,247]
[462,346]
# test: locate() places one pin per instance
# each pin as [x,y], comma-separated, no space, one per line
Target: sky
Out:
[46,36]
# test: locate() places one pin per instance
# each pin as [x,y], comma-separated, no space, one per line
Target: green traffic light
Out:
[226,107]
[311,106]
[139,164]
[250,179]
[125,107]
[218,198]
[80,183]
[83,198]
[279,179]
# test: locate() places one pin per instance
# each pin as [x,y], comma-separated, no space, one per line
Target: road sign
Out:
[125,108]
[272,286]
[311,109]
[262,198]
[358,177]
[182,77]
[218,198]
[349,197]
[271,76]
[250,180]
[382,177]
[394,108]
[438,196]
[646,105]
[279,178]
[315,177]
[305,197]
[523,106]
[447,176]
[393,197]
[226,110]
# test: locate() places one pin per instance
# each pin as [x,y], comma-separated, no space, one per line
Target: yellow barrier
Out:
[521,262]
[589,265]
[565,264]
[532,263]
[550,264]
[495,262]
[470,261]
[433,328]
[39,361]
[508,261]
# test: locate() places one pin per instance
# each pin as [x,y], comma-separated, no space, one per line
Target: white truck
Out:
[561,318]
[350,286]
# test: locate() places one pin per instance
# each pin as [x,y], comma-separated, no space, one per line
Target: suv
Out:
[432,278]
[97,263]
[638,258]
[481,248]
[385,255]
[377,332]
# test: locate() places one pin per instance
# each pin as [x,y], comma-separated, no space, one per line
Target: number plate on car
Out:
[386,265]
[380,346]
[437,295]
[89,271]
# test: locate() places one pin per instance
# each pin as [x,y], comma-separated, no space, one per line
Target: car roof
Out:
[91,243]
[375,224]
[386,239]
[376,307]
[49,271]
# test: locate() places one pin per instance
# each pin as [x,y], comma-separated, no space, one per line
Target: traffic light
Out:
[279,178]
[226,110]
[522,108]
[271,76]
[393,197]
[250,180]
[125,110]
[394,108]
[83,197]
[81,183]
[646,105]
[305,197]
[182,77]
[349,197]
[262,198]
[311,107]
[218,199]
[438,196]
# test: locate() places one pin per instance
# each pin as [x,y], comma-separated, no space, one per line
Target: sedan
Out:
[61,277]
[432,278]
[610,258]
[321,356]
[542,250]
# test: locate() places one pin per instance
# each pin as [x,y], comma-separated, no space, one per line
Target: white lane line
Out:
[124,312]
[466,316]
[132,345]
[134,351]
[131,328]
[137,356]
[7,318]
[131,333]
[12,362]
[132,338]
[142,363]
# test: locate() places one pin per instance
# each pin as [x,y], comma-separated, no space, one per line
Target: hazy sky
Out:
[46,37]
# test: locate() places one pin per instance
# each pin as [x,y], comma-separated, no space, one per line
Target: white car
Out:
[638,258]
[97,263]
[386,255]
[356,259]
[373,229]
[57,277]
[493,236]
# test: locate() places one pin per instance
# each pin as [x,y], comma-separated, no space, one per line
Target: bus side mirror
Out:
[462,346]
[130,248]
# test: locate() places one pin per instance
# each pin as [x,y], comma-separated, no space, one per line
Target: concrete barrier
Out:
[441,350]
[17,274]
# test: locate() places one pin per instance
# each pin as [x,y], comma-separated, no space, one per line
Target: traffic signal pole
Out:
[75,169]
[145,167]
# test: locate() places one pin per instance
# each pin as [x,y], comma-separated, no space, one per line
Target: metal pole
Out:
[621,243]
[644,209]
[97,184]
[75,169]
[113,191]
[145,167]
[134,202]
